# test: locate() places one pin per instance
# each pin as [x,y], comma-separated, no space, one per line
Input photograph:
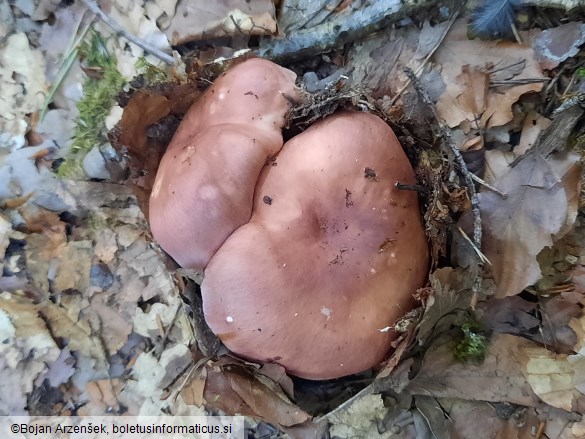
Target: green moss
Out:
[96,222]
[151,73]
[473,345]
[581,73]
[99,93]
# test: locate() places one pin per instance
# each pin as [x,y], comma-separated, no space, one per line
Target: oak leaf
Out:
[541,205]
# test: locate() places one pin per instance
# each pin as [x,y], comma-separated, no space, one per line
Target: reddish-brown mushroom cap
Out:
[205,183]
[332,254]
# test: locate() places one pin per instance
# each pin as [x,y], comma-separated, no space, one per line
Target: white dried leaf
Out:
[22,81]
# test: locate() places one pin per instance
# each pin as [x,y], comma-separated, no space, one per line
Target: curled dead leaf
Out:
[541,205]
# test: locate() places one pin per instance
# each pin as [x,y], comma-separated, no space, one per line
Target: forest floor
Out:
[96,320]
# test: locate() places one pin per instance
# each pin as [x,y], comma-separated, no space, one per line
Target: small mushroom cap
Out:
[332,254]
[205,183]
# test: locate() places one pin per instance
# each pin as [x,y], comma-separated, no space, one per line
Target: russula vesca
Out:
[205,182]
[335,256]
[306,259]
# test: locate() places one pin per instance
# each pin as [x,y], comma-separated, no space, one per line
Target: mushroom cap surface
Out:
[332,254]
[205,183]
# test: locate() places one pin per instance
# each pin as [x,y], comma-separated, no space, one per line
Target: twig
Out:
[346,28]
[446,134]
[410,187]
[489,186]
[522,81]
[477,251]
[93,7]
[70,55]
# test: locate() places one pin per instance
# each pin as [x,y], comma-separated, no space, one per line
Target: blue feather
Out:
[494,18]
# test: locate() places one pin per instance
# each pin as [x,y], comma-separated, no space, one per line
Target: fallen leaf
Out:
[62,369]
[360,419]
[26,352]
[22,80]
[475,83]
[482,420]
[532,126]
[538,207]
[555,378]
[451,296]
[498,378]
[547,322]
[73,266]
[266,403]
[5,229]
[72,335]
[429,419]
[102,397]
[378,62]
[512,60]
[553,46]
[234,389]
[194,20]
[193,391]
[147,125]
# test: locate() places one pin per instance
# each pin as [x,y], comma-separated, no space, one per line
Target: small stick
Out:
[489,186]
[446,134]
[93,7]
[410,187]
[477,251]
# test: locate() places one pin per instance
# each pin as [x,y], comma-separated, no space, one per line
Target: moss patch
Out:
[100,88]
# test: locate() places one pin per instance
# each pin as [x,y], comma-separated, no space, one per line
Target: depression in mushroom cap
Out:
[307,260]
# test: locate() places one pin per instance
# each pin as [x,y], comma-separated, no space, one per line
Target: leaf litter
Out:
[94,315]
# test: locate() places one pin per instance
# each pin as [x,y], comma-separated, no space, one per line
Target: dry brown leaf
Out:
[196,20]
[73,266]
[113,327]
[234,390]
[553,46]
[220,395]
[193,392]
[497,379]
[148,123]
[430,419]
[5,232]
[475,83]
[75,336]
[547,322]
[26,352]
[379,61]
[360,419]
[479,420]
[533,125]
[540,202]
[22,80]
[458,51]
[102,397]
[557,379]
[265,402]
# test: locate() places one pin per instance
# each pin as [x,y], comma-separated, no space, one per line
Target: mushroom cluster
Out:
[309,249]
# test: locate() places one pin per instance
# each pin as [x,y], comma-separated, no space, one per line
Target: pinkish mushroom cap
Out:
[205,183]
[332,254]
